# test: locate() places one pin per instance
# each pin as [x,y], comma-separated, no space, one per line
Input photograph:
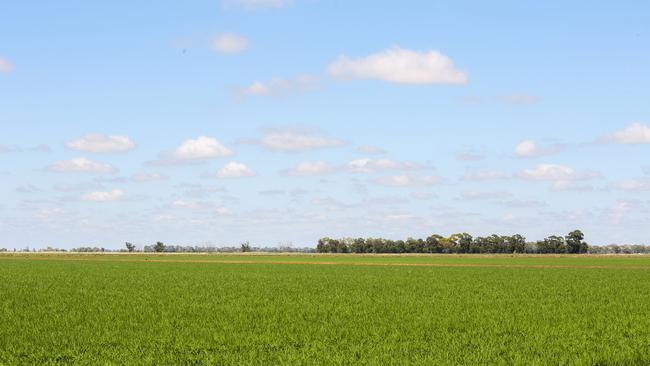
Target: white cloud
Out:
[311,168]
[235,170]
[48,214]
[163,218]
[292,140]
[279,87]
[257,4]
[191,205]
[550,172]
[371,166]
[194,150]
[632,185]
[571,185]
[98,143]
[230,43]
[621,210]
[526,148]
[530,149]
[401,66]
[81,165]
[147,177]
[524,204]
[563,177]
[408,181]
[108,196]
[479,195]
[484,175]
[5,65]
[633,134]
[201,148]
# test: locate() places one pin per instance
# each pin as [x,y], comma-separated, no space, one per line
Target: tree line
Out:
[457,243]
[572,243]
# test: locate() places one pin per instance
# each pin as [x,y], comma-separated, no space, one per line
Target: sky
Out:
[279,122]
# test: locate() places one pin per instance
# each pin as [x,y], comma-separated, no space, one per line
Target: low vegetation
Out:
[329,310]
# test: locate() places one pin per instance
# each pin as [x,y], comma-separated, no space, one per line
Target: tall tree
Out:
[463,242]
[159,247]
[574,242]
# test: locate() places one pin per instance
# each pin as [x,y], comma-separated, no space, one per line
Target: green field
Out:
[324,309]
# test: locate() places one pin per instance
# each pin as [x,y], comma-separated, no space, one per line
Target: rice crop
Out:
[324,309]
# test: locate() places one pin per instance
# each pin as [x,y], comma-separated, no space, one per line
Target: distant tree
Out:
[415,245]
[462,242]
[515,244]
[433,244]
[130,247]
[324,245]
[552,244]
[575,243]
[245,247]
[159,247]
[358,246]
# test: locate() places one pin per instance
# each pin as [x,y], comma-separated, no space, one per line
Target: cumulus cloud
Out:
[279,87]
[98,143]
[147,177]
[201,148]
[108,196]
[5,65]
[564,178]
[375,165]
[524,204]
[571,185]
[311,168]
[405,180]
[81,165]
[550,172]
[295,140]
[190,205]
[621,210]
[230,43]
[530,149]
[256,4]
[634,134]
[632,185]
[194,150]
[400,66]
[484,175]
[480,195]
[235,170]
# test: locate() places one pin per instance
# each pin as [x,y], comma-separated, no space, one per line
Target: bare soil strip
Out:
[326,263]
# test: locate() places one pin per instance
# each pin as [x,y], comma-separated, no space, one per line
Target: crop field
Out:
[324,309]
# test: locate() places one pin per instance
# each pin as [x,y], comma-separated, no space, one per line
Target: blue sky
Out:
[282,121]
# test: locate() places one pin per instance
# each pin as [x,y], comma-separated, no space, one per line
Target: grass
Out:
[274,309]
